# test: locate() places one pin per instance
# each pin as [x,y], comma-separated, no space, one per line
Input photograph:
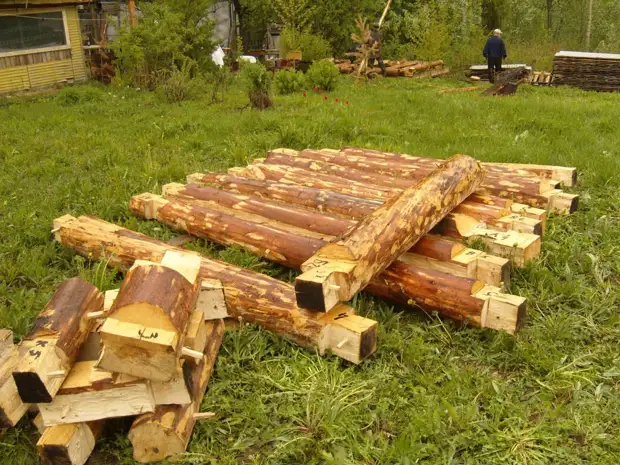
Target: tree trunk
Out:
[69,444]
[424,287]
[341,269]
[131,8]
[589,27]
[166,432]
[144,332]
[455,258]
[54,342]
[250,296]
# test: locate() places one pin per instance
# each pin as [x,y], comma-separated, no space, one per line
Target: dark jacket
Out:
[495,48]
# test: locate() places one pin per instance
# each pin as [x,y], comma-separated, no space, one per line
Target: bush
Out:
[323,74]
[312,47]
[178,85]
[258,83]
[75,95]
[288,82]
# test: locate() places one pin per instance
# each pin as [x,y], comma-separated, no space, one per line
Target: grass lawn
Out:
[435,392]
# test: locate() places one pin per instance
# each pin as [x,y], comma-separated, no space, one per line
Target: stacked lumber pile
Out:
[409,69]
[146,350]
[541,78]
[292,207]
[481,72]
[588,71]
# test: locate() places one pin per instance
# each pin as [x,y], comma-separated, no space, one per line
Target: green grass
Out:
[435,392]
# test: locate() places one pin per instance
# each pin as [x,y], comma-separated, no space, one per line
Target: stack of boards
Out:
[541,78]
[409,69]
[588,71]
[482,71]
[394,225]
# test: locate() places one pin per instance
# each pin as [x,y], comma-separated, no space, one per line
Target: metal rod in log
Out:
[250,296]
[453,297]
[55,340]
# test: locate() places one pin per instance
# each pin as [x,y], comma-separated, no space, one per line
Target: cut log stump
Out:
[54,343]
[341,269]
[144,332]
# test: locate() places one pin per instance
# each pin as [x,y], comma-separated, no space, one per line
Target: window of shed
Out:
[31,31]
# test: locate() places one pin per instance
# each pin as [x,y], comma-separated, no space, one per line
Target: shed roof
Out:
[39,3]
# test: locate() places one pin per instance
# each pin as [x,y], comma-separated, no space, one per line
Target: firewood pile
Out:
[396,226]
[409,69]
[588,71]
[482,71]
[541,78]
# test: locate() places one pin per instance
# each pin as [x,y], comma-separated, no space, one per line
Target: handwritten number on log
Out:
[341,316]
[151,336]
[42,343]
[34,353]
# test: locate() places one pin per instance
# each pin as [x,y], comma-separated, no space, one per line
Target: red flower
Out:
[337,100]
[316,89]
[347,102]
[305,94]
[326,97]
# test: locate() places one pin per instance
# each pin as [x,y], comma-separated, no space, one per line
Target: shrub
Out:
[178,85]
[312,47]
[323,74]
[75,95]
[288,82]
[258,83]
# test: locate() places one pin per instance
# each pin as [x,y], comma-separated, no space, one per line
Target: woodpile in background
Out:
[588,71]
[409,69]
[541,78]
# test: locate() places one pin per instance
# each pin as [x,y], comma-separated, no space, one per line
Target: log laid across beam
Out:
[432,251]
[520,247]
[457,298]
[54,343]
[339,270]
[165,433]
[249,296]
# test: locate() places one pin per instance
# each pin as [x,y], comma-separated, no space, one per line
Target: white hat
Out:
[497,31]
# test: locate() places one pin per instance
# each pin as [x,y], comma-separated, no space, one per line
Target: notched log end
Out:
[31,388]
[309,295]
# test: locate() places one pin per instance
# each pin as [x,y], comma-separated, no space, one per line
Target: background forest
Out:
[454,30]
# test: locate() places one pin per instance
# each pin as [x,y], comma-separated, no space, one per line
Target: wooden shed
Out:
[40,44]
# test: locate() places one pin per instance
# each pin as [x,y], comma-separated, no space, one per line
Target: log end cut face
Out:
[31,387]
[154,442]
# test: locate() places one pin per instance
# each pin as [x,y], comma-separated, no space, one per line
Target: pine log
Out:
[566,175]
[166,432]
[12,408]
[144,332]
[341,269]
[432,252]
[54,342]
[521,246]
[548,197]
[451,296]
[288,173]
[69,444]
[250,296]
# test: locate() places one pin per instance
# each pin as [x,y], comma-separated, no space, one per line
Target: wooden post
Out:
[12,408]
[131,9]
[166,432]
[341,269]
[385,11]
[144,332]
[54,343]
[250,296]
[409,286]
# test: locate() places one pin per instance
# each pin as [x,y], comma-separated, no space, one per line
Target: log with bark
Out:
[453,297]
[144,332]
[54,343]
[341,269]
[433,252]
[508,244]
[250,296]
[166,432]
[69,444]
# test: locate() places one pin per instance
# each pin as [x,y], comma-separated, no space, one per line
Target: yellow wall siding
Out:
[50,72]
[75,36]
[13,79]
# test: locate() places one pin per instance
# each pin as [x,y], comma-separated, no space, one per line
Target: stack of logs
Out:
[409,69]
[146,350]
[541,78]
[588,71]
[481,72]
[291,204]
